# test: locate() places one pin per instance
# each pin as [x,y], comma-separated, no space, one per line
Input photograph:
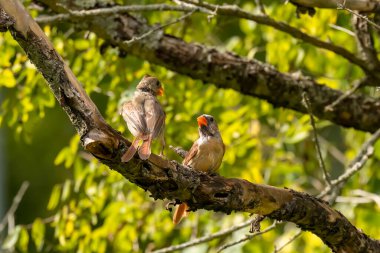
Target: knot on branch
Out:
[101,144]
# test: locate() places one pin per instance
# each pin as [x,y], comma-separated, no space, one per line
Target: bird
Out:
[145,118]
[206,154]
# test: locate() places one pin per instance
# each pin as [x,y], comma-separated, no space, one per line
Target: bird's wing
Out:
[134,118]
[191,154]
[155,117]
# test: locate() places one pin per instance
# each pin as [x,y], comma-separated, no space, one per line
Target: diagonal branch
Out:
[222,10]
[227,70]
[358,5]
[10,215]
[165,179]
[235,11]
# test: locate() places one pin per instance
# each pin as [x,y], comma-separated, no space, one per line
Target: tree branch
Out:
[227,70]
[223,10]
[248,237]
[165,179]
[366,151]
[365,41]
[204,239]
[326,175]
[235,11]
[9,216]
[359,5]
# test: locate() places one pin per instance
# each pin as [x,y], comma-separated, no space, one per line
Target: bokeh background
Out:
[76,204]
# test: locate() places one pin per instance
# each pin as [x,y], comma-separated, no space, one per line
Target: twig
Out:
[158,28]
[346,94]
[209,9]
[204,238]
[365,42]
[321,162]
[342,29]
[179,151]
[235,11]
[343,7]
[115,10]
[44,221]
[261,6]
[292,239]
[357,163]
[15,203]
[248,237]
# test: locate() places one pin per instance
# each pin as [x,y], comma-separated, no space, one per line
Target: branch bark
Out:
[227,70]
[359,5]
[366,45]
[165,179]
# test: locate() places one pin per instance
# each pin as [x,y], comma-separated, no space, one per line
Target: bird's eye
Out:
[211,119]
[158,84]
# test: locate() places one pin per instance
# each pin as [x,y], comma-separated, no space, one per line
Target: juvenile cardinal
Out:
[205,155]
[145,118]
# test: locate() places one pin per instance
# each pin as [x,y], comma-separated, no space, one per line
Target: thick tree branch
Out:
[358,5]
[235,11]
[210,9]
[164,179]
[227,70]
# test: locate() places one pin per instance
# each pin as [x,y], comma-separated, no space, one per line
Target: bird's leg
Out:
[170,204]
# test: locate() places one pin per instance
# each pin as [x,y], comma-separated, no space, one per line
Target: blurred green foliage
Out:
[94,209]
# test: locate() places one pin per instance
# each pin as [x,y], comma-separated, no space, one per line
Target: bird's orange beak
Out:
[202,121]
[160,91]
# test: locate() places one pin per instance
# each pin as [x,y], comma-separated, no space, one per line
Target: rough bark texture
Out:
[358,5]
[366,45]
[335,232]
[165,179]
[227,70]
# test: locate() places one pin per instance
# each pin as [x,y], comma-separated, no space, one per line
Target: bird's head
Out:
[152,85]
[208,126]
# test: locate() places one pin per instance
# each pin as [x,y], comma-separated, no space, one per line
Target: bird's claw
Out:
[170,205]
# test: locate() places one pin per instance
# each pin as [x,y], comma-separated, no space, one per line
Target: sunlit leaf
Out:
[38,233]
[7,79]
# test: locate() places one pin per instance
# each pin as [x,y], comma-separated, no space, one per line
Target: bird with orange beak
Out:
[145,118]
[205,155]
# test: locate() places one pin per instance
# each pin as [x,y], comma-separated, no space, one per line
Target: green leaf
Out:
[66,190]
[377,150]
[54,197]
[297,137]
[23,241]
[38,233]
[61,156]
[11,240]
[7,79]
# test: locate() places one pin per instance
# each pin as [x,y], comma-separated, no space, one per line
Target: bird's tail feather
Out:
[180,212]
[144,150]
[131,151]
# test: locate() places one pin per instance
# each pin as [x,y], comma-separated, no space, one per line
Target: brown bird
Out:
[205,155]
[145,118]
